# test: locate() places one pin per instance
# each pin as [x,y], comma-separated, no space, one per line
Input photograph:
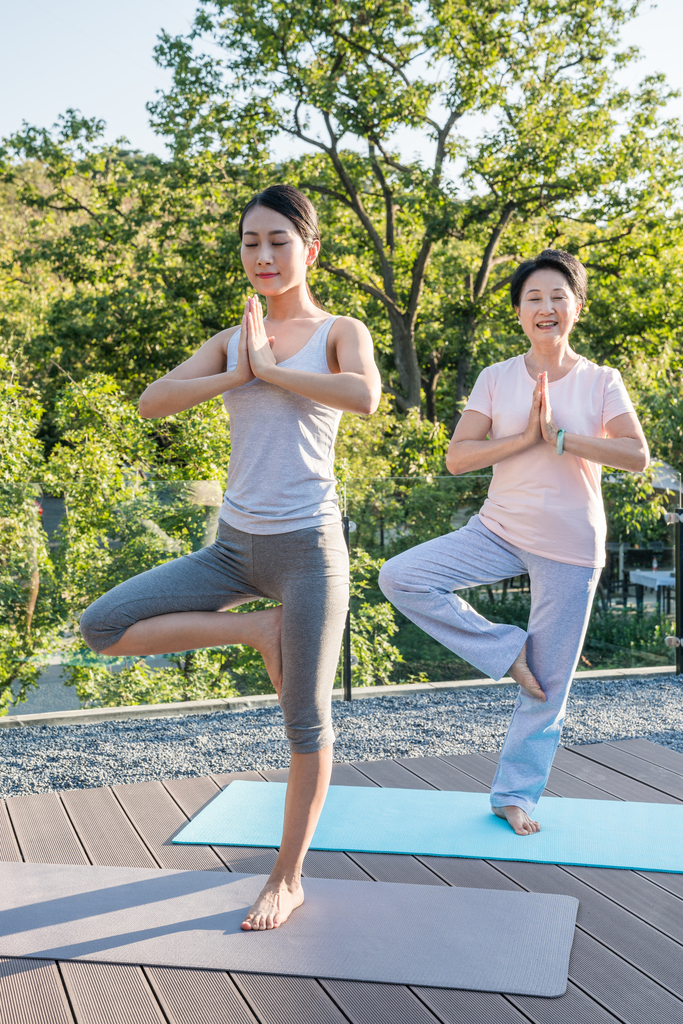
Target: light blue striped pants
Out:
[421,582]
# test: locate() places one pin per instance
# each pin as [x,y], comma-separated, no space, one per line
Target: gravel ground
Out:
[46,758]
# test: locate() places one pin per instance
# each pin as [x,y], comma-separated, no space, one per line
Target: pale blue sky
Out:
[97,57]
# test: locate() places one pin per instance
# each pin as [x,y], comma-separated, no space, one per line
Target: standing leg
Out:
[561,600]
[420,583]
[308,571]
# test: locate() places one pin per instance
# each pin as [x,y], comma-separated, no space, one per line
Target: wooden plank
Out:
[469,873]
[395,867]
[670,882]
[277,999]
[224,779]
[364,1003]
[110,994]
[562,784]
[192,794]
[43,830]
[275,774]
[653,752]
[638,895]
[8,843]
[249,860]
[609,781]
[453,1006]
[441,775]
[391,775]
[157,818]
[330,864]
[31,992]
[574,1007]
[645,948]
[659,779]
[198,997]
[626,992]
[347,775]
[104,830]
[475,765]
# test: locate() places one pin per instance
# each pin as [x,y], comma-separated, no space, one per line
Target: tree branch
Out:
[369,289]
[482,277]
[388,198]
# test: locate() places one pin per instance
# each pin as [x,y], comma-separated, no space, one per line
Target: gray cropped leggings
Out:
[306,570]
[420,583]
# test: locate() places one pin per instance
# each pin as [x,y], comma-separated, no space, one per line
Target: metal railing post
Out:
[346,663]
[674,519]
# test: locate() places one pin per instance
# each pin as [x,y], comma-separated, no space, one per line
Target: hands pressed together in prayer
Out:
[541,425]
[254,354]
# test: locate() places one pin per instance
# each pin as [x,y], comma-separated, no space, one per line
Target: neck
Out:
[551,355]
[294,304]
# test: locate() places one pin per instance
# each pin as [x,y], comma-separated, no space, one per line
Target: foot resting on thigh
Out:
[518,820]
[274,904]
[521,673]
[270,628]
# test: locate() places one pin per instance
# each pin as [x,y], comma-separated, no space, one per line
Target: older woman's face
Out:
[548,308]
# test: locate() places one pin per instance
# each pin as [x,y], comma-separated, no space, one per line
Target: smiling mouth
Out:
[547,323]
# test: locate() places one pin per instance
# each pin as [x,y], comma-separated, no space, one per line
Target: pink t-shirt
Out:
[542,502]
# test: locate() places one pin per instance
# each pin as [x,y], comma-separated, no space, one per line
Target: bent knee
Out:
[391,577]
[400,576]
[97,629]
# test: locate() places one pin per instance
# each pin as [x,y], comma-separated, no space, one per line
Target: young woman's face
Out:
[274,255]
[548,308]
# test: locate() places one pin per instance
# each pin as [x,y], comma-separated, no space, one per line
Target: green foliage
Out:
[127,485]
[27,620]
[569,157]
[634,509]
[116,265]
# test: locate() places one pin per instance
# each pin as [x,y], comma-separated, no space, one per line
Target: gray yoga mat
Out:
[482,939]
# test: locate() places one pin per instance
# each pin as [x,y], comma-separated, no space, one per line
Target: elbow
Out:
[146,406]
[643,461]
[369,402]
[453,464]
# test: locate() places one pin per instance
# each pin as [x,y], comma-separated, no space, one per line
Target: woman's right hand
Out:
[533,434]
[243,369]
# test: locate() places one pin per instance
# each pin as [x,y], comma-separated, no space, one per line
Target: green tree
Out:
[28,621]
[565,152]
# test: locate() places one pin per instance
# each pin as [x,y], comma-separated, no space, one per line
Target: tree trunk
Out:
[460,384]
[405,358]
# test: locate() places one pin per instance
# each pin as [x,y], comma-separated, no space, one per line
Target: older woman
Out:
[547,421]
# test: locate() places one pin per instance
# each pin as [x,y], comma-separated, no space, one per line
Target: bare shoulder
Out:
[222,339]
[348,328]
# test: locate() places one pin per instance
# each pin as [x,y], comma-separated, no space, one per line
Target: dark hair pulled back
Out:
[293,205]
[551,259]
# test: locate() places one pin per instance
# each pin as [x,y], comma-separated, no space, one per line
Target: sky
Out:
[97,57]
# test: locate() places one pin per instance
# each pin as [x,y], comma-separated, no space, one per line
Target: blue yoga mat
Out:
[595,833]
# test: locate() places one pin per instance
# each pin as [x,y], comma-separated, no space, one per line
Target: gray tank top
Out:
[281,470]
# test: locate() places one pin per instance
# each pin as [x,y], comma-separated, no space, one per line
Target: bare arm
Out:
[199,378]
[354,387]
[624,447]
[470,448]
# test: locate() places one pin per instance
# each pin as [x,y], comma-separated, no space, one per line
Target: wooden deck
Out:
[627,959]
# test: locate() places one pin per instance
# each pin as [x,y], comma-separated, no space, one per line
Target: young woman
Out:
[285,382]
[546,421]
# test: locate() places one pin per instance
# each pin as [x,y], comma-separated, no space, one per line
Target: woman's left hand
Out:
[259,344]
[549,427]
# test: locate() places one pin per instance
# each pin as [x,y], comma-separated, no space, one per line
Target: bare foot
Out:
[521,673]
[270,627]
[275,903]
[518,820]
